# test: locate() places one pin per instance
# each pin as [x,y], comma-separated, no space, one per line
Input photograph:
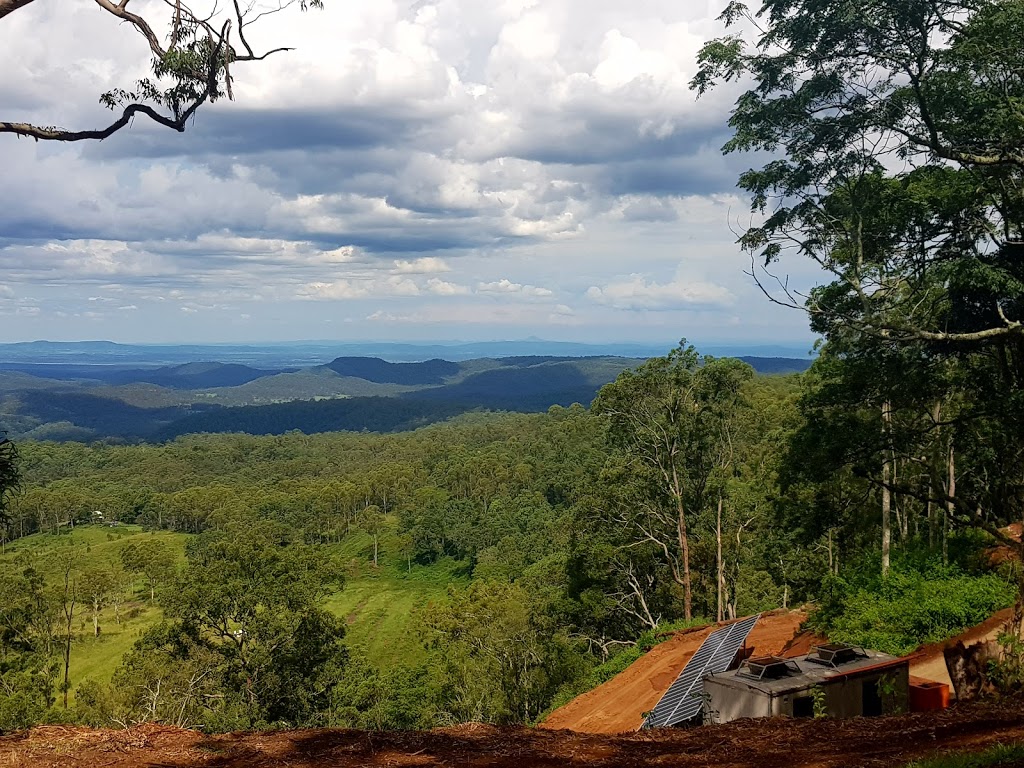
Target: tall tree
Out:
[666,419]
[897,134]
[10,482]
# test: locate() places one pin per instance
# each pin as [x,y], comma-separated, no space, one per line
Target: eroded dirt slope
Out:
[766,743]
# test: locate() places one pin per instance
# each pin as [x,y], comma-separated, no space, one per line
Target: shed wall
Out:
[727,704]
[844,696]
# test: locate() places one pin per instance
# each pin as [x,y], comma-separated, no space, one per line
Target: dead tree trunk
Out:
[886,496]
[720,563]
[947,513]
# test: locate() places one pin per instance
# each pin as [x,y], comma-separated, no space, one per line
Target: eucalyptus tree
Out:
[666,419]
[247,612]
[192,50]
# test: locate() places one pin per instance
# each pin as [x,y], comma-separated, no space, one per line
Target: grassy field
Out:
[998,755]
[380,604]
[95,657]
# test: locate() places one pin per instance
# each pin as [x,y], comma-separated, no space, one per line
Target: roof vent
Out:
[835,654]
[768,668]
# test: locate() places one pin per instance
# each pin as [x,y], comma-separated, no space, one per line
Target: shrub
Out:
[898,613]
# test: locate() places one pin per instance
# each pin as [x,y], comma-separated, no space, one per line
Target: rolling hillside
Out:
[76,401]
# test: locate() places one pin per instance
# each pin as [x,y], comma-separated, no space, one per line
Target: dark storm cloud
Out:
[233,131]
[599,139]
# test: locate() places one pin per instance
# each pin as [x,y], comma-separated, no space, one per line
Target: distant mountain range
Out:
[307,353]
[83,398]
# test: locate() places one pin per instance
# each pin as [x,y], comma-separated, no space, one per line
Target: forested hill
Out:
[355,414]
[382,372]
[76,401]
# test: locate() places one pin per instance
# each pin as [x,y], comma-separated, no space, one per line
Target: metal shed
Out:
[846,681]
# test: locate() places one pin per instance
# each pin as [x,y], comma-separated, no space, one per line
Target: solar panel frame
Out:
[715,655]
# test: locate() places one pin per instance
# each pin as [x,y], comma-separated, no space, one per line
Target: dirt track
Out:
[618,705]
[767,743]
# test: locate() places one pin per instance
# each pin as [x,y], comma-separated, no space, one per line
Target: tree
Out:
[666,419]
[152,558]
[372,521]
[897,134]
[29,647]
[68,594]
[192,68]
[97,586]
[495,660]
[250,601]
[10,482]
[841,88]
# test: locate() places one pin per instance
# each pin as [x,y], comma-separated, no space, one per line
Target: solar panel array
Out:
[683,700]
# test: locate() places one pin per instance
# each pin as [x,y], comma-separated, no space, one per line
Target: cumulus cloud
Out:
[396,144]
[421,266]
[444,288]
[637,293]
[506,286]
[338,290]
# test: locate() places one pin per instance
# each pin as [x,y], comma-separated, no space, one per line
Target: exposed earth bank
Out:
[767,743]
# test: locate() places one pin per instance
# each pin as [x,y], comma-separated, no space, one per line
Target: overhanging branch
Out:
[196,83]
[42,133]
[10,6]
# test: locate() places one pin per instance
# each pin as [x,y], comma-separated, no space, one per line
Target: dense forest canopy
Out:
[874,487]
[691,490]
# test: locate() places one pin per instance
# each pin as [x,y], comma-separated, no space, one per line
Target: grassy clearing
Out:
[379,604]
[998,755]
[99,544]
[95,658]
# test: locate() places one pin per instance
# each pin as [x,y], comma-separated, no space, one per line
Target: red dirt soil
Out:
[764,743]
[1001,553]
[618,705]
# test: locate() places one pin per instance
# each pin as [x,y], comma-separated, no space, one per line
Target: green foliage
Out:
[381,697]
[997,755]
[908,608]
[10,481]
[489,570]
[152,558]
[669,425]
[495,657]
[246,622]
[1006,673]
[818,705]
[29,648]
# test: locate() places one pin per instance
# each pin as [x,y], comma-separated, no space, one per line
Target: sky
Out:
[417,170]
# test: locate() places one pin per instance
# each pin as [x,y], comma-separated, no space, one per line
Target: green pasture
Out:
[380,604]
